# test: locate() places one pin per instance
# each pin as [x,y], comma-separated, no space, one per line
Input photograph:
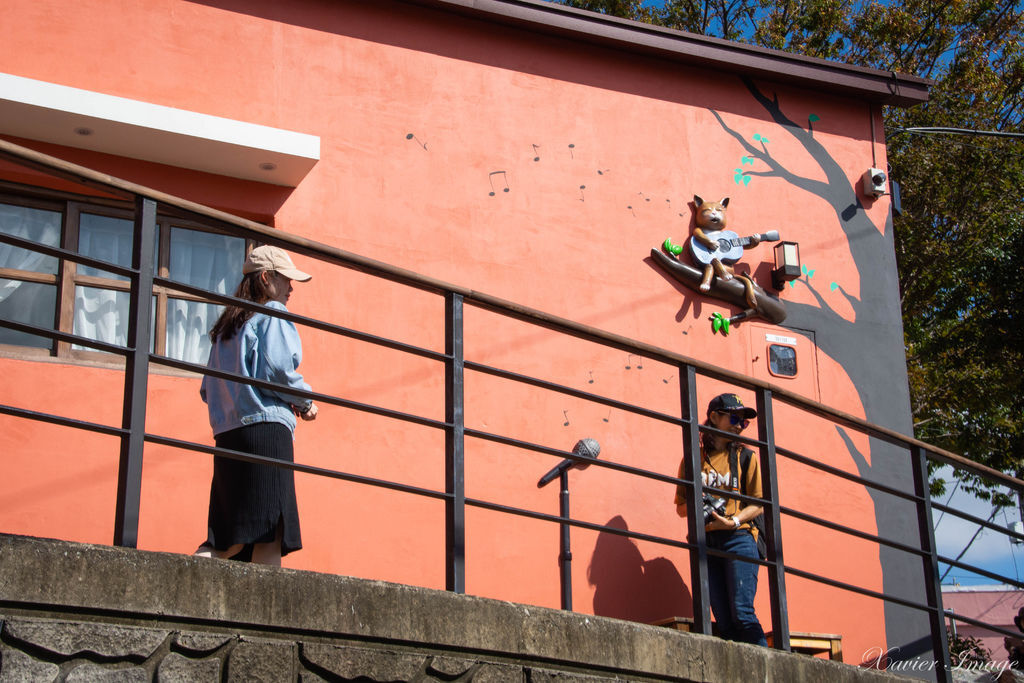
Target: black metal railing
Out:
[138,361]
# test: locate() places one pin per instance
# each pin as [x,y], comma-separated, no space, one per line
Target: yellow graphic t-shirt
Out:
[715,473]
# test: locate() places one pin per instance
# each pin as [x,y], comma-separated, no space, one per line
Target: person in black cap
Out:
[729,523]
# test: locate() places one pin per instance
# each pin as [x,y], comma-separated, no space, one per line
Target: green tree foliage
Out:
[960,237]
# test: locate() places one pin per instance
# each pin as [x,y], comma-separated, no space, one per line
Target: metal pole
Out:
[455,436]
[773,525]
[694,505]
[136,376]
[932,582]
[565,556]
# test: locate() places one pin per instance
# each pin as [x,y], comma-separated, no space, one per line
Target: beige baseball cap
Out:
[275,259]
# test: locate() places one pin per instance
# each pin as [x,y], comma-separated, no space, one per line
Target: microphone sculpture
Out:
[587,448]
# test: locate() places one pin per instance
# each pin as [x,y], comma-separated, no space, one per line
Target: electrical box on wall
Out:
[787,358]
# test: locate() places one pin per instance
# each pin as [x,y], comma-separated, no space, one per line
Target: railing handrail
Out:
[92,178]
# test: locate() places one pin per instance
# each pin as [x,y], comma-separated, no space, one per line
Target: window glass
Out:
[188,329]
[30,303]
[107,239]
[206,260]
[99,310]
[36,225]
[782,360]
[101,314]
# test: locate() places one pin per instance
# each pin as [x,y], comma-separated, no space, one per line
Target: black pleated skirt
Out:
[248,501]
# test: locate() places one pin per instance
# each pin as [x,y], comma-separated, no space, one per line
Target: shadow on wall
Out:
[626,586]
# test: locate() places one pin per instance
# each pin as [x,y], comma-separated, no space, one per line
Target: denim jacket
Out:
[265,348]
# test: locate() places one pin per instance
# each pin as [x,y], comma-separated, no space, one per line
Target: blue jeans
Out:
[732,586]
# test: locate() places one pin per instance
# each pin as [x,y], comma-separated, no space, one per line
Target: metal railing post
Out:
[694,519]
[455,436]
[773,521]
[136,376]
[932,578]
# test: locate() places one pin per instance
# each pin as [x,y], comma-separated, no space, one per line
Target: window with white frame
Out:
[60,294]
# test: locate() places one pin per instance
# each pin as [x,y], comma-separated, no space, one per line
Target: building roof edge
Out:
[875,85]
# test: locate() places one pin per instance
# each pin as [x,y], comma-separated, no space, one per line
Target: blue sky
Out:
[990,550]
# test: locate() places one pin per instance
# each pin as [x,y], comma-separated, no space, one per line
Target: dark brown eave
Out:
[873,85]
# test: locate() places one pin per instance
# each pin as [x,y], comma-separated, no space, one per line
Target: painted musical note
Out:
[582,198]
[566,414]
[591,373]
[629,359]
[536,153]
[571,148]
[504,177]
[630,207]
[646,198]
[411,136]
[600,172]
[609,415]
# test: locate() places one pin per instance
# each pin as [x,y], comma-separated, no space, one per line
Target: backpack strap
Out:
[734,480]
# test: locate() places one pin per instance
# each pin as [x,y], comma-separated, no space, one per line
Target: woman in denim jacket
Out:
[253,513]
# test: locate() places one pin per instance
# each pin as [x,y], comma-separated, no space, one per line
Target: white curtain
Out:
[28,302]
[30,224]
[102,314]
[206,260]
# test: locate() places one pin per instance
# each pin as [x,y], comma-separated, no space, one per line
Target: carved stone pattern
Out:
[82,652]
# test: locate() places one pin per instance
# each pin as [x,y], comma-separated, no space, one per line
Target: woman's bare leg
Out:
[269,553]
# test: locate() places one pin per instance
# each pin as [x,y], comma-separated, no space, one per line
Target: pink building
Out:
[996,605]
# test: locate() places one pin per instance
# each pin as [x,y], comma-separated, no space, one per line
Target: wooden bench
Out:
[814,644]
[799,641]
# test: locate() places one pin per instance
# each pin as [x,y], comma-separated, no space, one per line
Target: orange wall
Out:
[601,153]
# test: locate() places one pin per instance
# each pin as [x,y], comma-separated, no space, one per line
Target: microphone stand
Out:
[565,553]
[589,448]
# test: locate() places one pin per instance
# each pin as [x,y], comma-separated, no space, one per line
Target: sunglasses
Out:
[735,419]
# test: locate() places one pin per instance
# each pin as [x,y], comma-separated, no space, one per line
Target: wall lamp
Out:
[787,264]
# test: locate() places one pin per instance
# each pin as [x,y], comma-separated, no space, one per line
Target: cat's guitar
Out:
[730,245]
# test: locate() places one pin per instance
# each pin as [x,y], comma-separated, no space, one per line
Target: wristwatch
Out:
[735,522]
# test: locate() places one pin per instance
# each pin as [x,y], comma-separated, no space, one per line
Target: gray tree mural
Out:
[868,345]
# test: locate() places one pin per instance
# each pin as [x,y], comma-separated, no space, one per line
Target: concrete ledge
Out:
[324,621]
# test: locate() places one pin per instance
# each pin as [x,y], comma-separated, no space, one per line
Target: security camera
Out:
[874,182]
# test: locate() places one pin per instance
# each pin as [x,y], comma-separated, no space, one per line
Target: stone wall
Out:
[88,613]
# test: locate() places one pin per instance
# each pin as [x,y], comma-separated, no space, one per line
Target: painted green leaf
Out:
[813,117]
[834,286]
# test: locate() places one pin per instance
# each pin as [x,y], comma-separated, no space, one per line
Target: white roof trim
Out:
[37,110]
